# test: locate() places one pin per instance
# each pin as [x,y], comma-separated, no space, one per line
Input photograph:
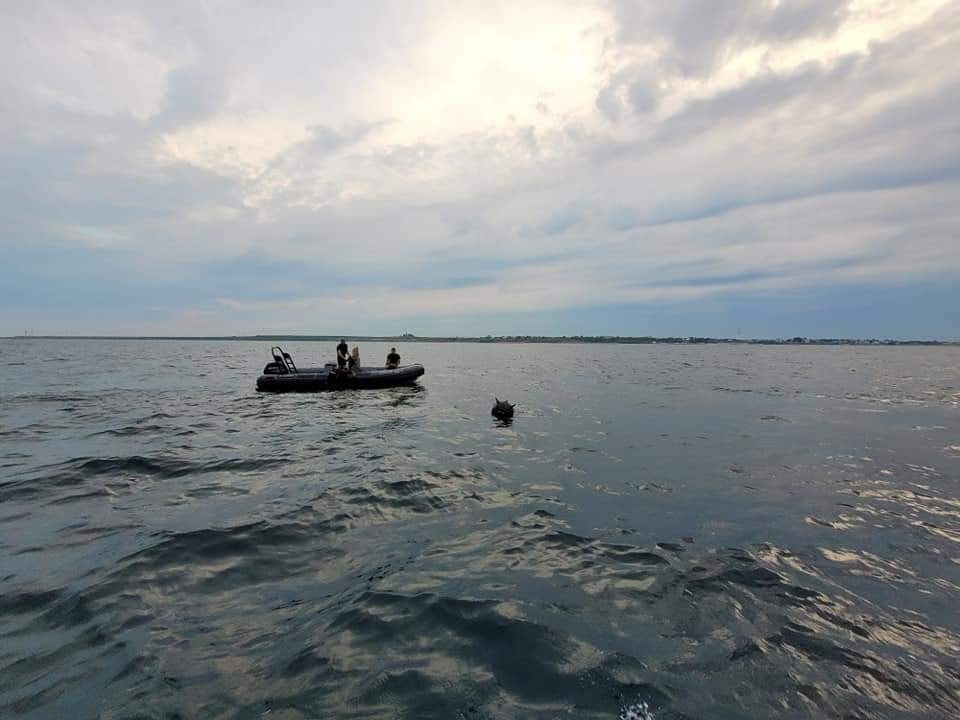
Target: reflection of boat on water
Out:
[282,375]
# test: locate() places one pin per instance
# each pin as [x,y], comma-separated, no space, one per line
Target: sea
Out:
[662,532]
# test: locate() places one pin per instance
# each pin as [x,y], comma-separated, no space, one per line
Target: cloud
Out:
[808,242]
[455,161]
[696,35]
[633,89]
[192,95]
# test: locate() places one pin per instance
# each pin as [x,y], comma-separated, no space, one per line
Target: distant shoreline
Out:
[521,339]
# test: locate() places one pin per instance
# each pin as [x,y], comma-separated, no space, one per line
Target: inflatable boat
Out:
[282,375]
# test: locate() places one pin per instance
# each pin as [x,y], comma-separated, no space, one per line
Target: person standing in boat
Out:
[354,361]
[343,352]
[393,359]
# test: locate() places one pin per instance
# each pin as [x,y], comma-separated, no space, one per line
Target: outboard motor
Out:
[282,363]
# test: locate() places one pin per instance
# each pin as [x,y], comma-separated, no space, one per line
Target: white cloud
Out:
[802,243]
[582,153]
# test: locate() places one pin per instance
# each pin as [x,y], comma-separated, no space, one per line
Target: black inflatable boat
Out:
[282,375]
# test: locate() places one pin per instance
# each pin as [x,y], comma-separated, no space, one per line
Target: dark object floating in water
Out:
[282,375]
[502,410]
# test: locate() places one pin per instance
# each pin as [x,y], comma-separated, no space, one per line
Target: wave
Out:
[189,547]
[78,471]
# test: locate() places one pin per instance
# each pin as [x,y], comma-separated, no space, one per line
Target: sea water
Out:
[663,531]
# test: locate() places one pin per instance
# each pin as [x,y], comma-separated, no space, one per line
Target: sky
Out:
[737,168]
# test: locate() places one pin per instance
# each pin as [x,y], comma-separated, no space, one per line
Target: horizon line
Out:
[521,339]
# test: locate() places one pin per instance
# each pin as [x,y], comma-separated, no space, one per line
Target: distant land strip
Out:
[558,339]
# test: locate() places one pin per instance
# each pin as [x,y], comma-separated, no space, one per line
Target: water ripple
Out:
[663,532]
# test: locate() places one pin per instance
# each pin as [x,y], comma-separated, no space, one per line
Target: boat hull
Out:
[322,379]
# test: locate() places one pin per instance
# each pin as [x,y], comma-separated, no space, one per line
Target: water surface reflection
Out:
[679,532]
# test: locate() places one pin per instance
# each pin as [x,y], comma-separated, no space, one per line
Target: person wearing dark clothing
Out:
[393,359]
[343,352]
